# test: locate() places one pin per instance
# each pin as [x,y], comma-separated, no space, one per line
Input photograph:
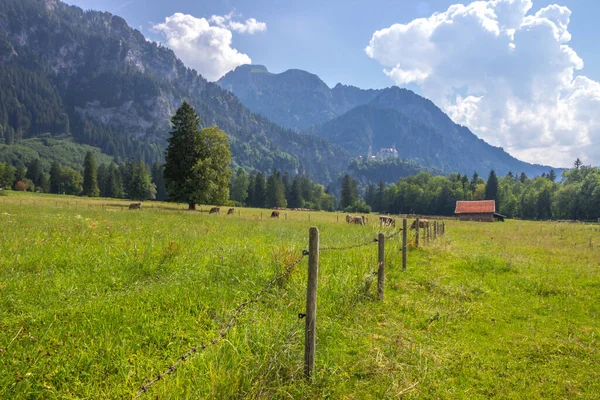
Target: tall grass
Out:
[93,301]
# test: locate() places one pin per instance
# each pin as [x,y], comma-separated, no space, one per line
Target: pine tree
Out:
[380,205]
[287,184]
[348,196]
[90,176]
[577,164]
[260,196]
[491,188]
[102,178]
[474,181]
[552,175]
[34,172]
[370,192]
[56,178]
[20,172]
[251,183]
[239,186]
[141,186]
[522,177]
[295,200]
[275,192]
[158,179]
[114,182]
[197,161]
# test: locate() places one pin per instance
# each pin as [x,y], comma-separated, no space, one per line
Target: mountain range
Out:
[88,74]
[356,119]
[89,77]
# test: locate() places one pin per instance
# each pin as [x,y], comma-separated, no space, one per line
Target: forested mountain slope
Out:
[88,74]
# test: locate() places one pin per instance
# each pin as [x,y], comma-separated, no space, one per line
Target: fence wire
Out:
[194,350]
[234,316]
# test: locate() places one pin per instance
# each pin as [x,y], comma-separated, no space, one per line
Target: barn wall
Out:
[484,217]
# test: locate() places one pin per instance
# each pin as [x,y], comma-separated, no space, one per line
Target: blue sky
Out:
[521,74]
[328,38]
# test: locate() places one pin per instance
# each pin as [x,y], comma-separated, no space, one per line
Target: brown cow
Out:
[359,220]
[387,221]
[215,210]
[135,206]
[349,219]
[230,211]
[422,224]
[275,214]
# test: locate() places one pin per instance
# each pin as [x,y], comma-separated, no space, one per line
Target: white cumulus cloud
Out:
[504,72]
[251,25]
[205,45]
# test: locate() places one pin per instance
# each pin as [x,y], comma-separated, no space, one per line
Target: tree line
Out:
[576,196]
[197,171]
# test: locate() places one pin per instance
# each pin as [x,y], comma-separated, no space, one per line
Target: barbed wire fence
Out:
[438,230]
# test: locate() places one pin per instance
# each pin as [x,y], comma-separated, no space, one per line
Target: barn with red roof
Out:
[481,210]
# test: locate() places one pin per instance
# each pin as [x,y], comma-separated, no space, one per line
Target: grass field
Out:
[95,300]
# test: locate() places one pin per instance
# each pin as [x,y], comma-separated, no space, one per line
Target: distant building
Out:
[383,154]
[483,210]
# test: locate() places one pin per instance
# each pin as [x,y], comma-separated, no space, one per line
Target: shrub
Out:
[20,186]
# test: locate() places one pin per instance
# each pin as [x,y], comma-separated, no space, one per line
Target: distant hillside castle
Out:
[383,154]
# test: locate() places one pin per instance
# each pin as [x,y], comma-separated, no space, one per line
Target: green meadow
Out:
[95,300]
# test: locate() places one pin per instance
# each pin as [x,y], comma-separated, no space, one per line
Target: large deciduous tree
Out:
[197,161]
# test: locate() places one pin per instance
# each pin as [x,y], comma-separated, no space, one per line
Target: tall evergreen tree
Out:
[491,188]
[295,199]
[275,192]
[552,175]
[102,178]
[158,170]
[522,177]
[251,182]
[141,186]
[239,187]
[20,172]
[287,184]
[56,178]
[370,193]
[474,181]
[348,196]
[35,172]
[197,161]
[380,205]
[260,195]
[114,182]
[90,176]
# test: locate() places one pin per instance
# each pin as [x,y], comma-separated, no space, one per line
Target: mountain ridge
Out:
[373,117]
[109,87]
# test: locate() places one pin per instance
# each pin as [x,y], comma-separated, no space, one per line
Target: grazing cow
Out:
[349,219]
[387,221]
[422,224]
[359,220]
[275,214]
[230,211]
[215,210]
[135,206]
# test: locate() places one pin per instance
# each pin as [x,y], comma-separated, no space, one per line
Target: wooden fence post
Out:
[404,243]
[427,231]
[435,227]
[381,267]
[418,228]
[311,301]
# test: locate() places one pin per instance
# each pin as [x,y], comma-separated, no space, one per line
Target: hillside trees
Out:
[197,161]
